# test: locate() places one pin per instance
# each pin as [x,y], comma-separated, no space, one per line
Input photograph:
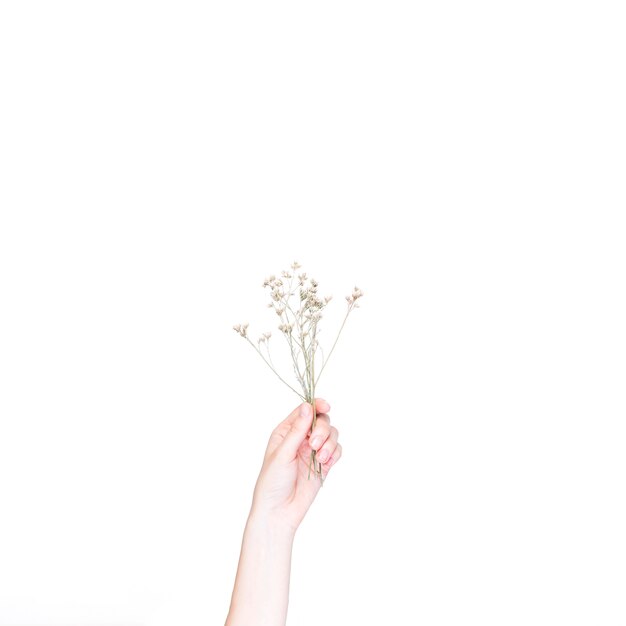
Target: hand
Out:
[283,490]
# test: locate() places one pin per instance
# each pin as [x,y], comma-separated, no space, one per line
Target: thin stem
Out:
[334,344]
[297,321]
[269,356]
[310,329]
[319,345]
[289,338]
[294,358]
[317,466]
[273,370]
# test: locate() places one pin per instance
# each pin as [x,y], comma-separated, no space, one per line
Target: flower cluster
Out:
[242,329]
[352,299]
[295,299]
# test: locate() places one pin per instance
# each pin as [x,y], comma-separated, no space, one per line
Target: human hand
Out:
[283,491]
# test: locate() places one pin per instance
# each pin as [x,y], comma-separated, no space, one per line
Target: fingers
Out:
[321,406]
[321,432]
[336,455]
[324,439]
[328,447]
[300,423]
[297,425]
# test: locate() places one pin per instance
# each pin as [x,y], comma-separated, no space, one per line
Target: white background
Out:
[461,162]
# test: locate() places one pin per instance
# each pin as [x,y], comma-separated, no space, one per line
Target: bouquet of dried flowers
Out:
[295,300]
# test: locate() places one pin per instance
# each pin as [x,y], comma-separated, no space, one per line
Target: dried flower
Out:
[299,309]
[241,329]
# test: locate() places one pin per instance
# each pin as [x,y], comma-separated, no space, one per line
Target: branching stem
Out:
[273,370]
[334,344]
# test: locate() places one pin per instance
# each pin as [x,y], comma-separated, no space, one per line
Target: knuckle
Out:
[322,429]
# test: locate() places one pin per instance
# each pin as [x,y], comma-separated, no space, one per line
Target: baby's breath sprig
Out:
[295,300]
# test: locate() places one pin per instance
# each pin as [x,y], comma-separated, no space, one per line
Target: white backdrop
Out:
[462,163]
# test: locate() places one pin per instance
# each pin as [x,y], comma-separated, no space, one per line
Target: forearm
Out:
[261,591]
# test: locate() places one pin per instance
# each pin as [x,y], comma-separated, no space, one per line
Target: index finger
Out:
[321,406]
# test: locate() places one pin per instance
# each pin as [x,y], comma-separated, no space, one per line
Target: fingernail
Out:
[305,410]
[315,442]
[323,456]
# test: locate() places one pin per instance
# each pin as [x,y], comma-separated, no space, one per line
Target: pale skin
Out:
[282,496]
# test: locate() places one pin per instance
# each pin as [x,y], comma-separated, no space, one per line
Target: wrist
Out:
[271,524]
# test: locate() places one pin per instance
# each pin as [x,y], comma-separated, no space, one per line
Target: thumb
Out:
[298,432]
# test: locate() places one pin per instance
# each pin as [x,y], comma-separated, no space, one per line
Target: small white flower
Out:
[242,329]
